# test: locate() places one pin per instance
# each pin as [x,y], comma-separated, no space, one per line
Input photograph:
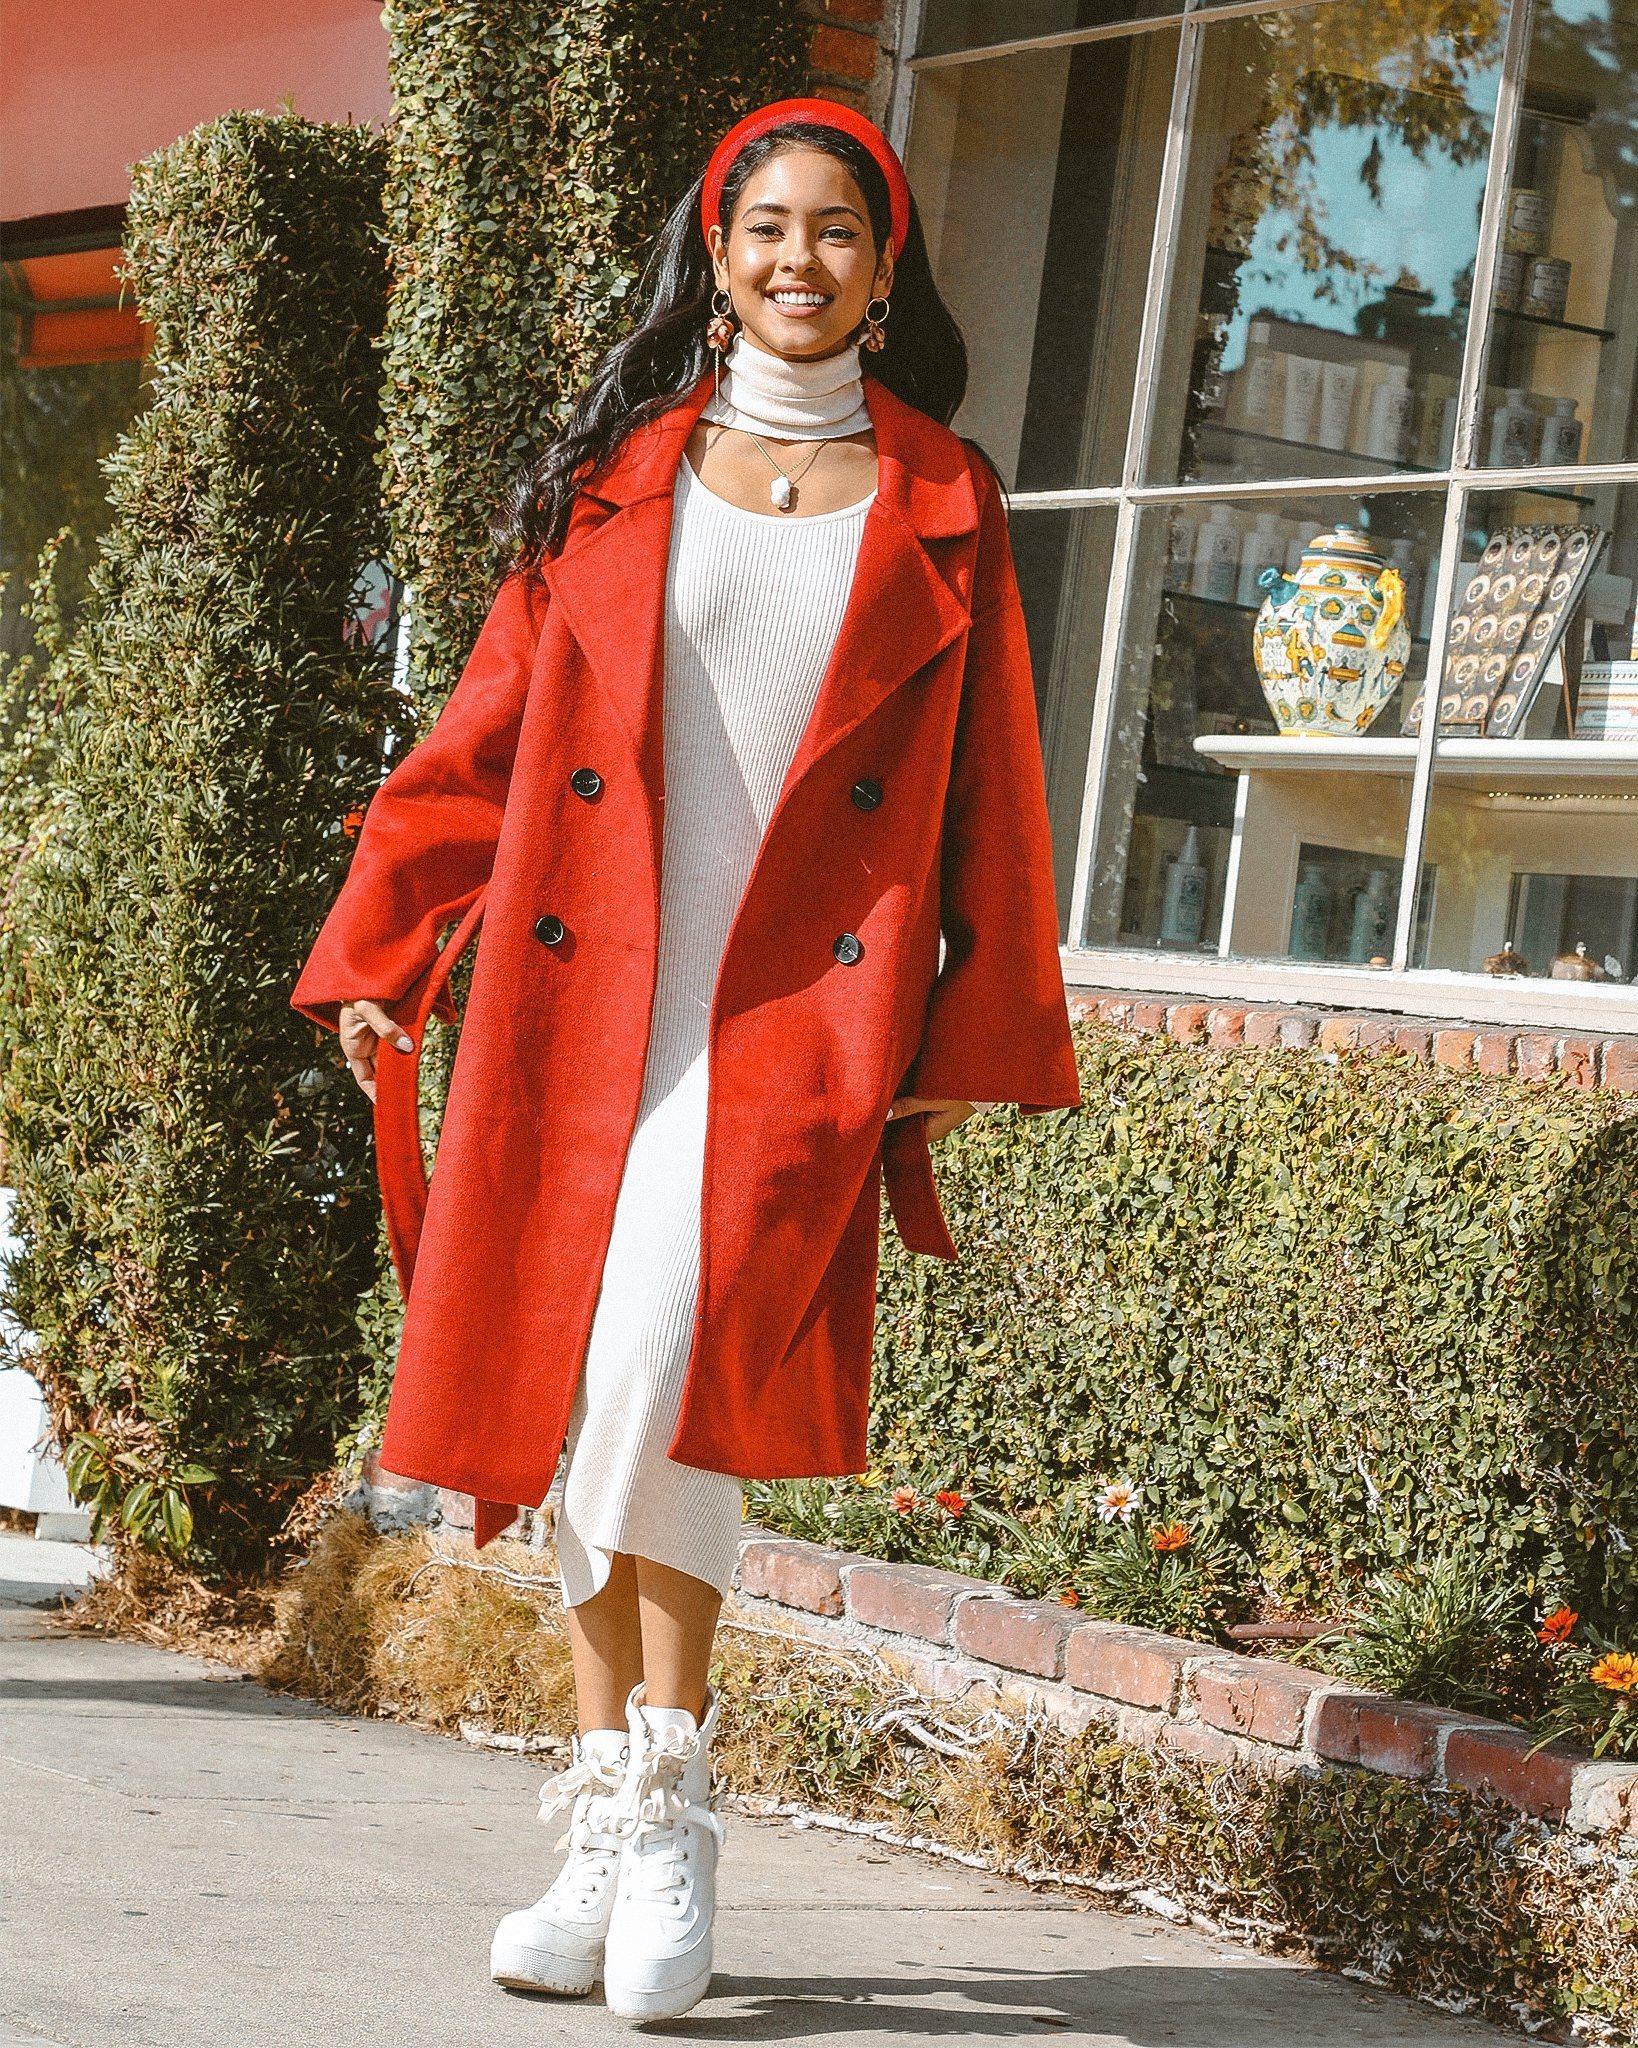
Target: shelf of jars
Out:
[1501,766]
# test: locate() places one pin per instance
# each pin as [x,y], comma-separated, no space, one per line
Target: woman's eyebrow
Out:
[777,206]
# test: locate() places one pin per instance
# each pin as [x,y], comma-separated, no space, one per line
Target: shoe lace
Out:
[651,1810]
[588,1781]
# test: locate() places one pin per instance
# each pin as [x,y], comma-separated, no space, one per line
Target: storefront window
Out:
[1063,561]
[1335,174]
[1247,811]
[1219,275]
[1532,839]
[1560,370]
[1036,177]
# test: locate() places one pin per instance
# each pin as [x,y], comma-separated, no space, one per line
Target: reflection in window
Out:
[1560,374]
[969,24]
[1257,787]
[1533,829]
[66,395]
[1063,561]
[1036,177]
[1335,178]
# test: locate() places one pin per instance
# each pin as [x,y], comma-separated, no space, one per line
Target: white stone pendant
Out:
[780,491]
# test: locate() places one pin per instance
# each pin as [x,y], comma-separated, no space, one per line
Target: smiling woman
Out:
[743,779]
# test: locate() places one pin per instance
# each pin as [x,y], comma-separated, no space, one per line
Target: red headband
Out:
[833,115]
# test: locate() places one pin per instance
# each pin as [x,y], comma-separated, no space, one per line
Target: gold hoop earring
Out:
[719,329]
[875,332]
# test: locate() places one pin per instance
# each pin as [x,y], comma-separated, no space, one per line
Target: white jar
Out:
[1546,288]
[1217,556]
[1180,542]
[1264,549]
[1258,378]
[1302,393]
[1561,434]
[1513,428]
[1387,434]
[1336,403]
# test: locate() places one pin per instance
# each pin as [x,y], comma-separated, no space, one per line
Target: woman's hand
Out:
[944,1118]
[363,1026]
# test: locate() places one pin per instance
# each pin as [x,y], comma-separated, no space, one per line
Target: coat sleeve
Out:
[428,839]
[997,1023]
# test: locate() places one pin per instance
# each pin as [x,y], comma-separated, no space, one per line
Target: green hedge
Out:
[1335,1310]
[196,1195]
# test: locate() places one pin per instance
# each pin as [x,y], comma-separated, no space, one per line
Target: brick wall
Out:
[1527,1054]
[850,52]
[951,1636]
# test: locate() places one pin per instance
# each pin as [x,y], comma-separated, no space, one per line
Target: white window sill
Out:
[1598,1009]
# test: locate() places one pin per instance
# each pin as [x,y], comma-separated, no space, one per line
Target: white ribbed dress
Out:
[753,604]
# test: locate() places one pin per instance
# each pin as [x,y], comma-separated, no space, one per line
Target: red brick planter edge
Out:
[1168,1692]
[1524,1053]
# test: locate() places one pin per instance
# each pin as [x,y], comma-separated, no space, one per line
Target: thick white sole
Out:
[526,1969]
[628,2002]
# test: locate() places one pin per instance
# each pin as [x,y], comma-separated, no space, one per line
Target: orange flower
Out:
[1556,1628]
[1069,1597]
[906,1499]
[953,1504]
[1618,1671]
[1175,1536]
[353,824]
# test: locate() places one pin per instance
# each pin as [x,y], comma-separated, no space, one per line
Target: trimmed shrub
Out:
[194,1189]
[1336,1311]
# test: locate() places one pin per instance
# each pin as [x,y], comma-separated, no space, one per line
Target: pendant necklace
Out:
[784,482]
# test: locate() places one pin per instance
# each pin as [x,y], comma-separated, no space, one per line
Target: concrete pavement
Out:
[191,1861]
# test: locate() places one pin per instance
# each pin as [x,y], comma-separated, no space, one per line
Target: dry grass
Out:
[403,1627]
[148,1598]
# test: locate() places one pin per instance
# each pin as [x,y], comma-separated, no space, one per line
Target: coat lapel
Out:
[901,611]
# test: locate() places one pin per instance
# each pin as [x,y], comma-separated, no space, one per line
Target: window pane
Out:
[1266,820]
[1331,213]
[969,24]
[1559,381]
[57,423]
[1533,829]
[1036,178]
[1063,561]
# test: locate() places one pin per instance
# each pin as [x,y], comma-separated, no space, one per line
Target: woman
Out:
[749,729]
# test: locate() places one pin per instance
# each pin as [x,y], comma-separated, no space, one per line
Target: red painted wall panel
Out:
[89,86]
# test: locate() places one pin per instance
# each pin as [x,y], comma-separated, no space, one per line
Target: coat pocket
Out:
[912,1191]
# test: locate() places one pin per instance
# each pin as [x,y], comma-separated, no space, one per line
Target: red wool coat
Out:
[830,1001]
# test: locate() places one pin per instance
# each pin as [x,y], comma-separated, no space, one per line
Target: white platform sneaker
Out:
[557,1943]
[657,1962]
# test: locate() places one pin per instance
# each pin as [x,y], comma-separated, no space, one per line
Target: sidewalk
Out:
[190,1861]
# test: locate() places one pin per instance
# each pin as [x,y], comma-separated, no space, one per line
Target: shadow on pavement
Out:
[1154,2006]
[229,1694]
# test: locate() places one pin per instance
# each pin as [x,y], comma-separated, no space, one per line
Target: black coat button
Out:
[867,793]
[585,782]
[847,947]
[549,930]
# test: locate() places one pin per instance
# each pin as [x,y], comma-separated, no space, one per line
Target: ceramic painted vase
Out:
[1332,641]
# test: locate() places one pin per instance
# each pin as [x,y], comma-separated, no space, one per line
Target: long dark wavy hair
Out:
[664,356]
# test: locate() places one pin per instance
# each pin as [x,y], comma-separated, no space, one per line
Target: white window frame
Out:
[1536,1000]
